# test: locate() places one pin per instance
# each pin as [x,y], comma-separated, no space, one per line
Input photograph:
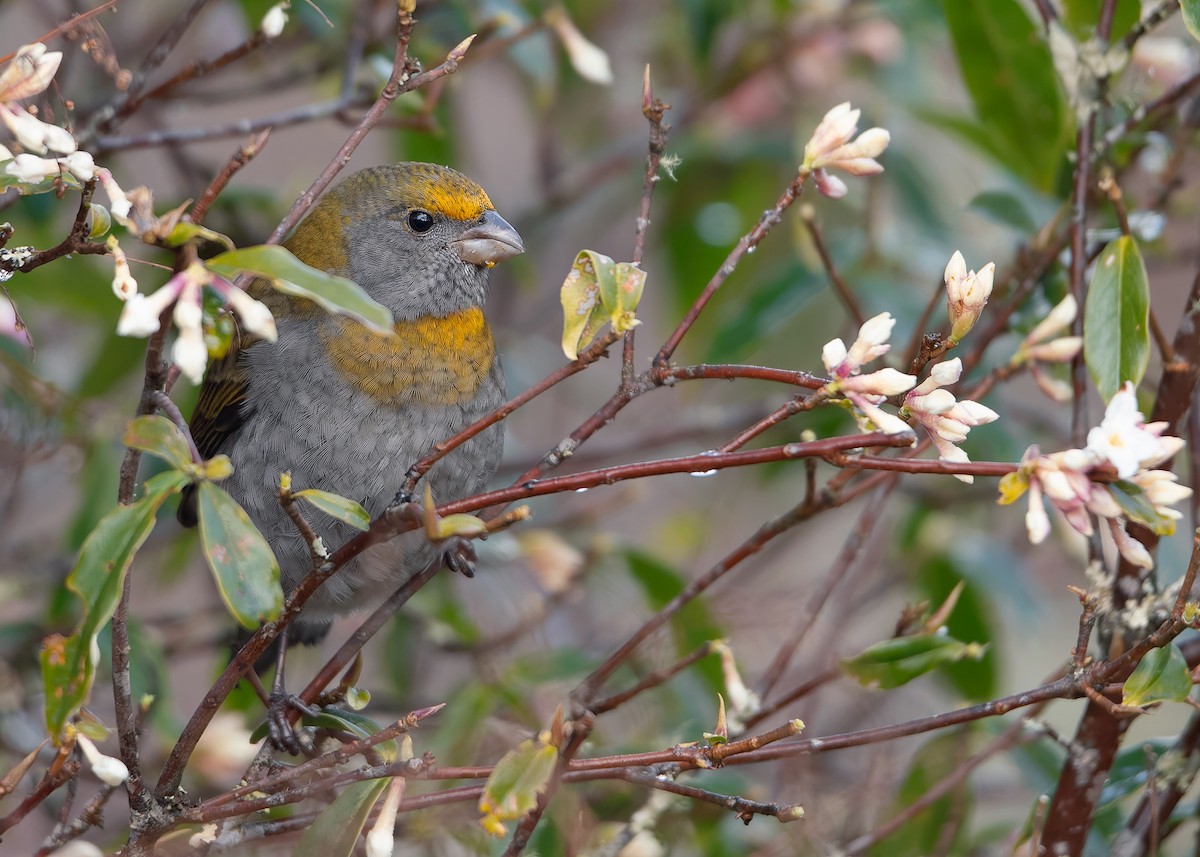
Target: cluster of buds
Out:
[1043,345]
[867,392]
[833,146]
[967,294]
[1124,443]
[28,74]
[946,419]
[141,315]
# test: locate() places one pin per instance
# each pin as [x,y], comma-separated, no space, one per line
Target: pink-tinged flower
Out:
[967,294]
[34,134]
[142,314]
[832,146]
[1126,441]
[29,72]
[1162,491]
[11,325]
[119,203]
[947,420]
[867,392]
[1039,347]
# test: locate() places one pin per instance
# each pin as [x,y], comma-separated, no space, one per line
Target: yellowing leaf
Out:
[345,510]
[242,563]
[583,316]
[513,787]
[1162,675]
[1012,486]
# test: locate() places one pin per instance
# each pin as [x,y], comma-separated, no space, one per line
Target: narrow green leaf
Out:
[1162,675]
[242,563]
[335,832]
[1006,66]
[1116,318]
[337,506]
[159,436]
[293,277]
[1191,16]
[69,663]
[893,663]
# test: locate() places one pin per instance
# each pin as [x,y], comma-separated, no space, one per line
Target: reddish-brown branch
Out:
[748,242]
[240,158]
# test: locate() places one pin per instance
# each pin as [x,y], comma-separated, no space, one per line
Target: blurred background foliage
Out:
[982,132]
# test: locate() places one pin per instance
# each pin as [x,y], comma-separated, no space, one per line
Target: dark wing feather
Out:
[220,411]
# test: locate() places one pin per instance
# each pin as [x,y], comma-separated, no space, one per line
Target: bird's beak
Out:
[489,242]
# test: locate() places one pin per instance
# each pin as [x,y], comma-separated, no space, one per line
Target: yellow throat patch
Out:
[430,361]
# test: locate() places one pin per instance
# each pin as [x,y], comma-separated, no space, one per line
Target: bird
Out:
[347,409]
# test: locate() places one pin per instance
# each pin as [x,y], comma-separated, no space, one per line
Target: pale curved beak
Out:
[489,242]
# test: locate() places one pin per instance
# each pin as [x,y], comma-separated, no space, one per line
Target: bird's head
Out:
[419,238]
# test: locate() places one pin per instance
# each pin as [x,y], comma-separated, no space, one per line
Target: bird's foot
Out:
[282,734]
[458,555]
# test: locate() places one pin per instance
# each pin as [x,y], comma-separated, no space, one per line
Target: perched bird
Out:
[347,409]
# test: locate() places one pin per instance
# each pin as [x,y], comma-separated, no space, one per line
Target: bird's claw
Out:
[458,555]
[282,734]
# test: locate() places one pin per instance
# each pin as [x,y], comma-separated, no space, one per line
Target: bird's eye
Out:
[420,221]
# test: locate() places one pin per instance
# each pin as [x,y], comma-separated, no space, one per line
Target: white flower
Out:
[832,147]
[1058,320]
[109,770]
[29,72]
[1037,522]
[381,838]
[967,294]
[1125,440]
[34,134]
[32,169]
[119,203]
[254,314]
[884,382]
[1061,350]
[588,60]
[947,420]
[274,21]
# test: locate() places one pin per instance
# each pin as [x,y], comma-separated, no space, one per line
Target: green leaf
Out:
[1137,507]
[1162,675]
[69,663]
[242,563]
[335,832]
[513,787]
[159,436]
[893,663]
[692,626]
[971,619]
[1191,16]
[1116,318]
[1083,15]
[337,506]
[185,232]
[1003,208]
[293,277]
[924,833]
[1006,66]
